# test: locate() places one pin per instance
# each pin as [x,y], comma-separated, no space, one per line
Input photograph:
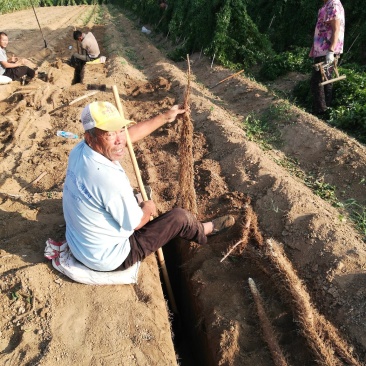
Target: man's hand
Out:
[148,210]
[329,57]
[143,129]
[173,112]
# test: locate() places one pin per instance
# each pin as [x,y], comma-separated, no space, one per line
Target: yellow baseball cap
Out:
[103,115]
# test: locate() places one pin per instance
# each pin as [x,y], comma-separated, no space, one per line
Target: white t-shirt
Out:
[3,57]
[90,44]
[100,209]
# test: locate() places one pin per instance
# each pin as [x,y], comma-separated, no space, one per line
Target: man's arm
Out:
[11,65]
[148,210]
[145,128]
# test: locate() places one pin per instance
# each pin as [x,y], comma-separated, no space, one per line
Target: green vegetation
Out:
[101,16]
[258,130]
[349,208]
[275,35]
[238,34]
[89,15]
[279,64]
[9,6]
[348,111]
[222,30]
[264,128]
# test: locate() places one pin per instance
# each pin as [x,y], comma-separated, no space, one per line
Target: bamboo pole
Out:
[160,253]
[77,43]
[45,43]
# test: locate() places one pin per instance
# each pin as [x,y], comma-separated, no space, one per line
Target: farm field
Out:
[306,256]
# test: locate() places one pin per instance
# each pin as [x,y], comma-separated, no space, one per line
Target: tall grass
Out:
[7,6]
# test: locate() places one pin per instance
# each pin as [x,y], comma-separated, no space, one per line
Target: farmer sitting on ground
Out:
[13,67]
[89,48]
[106,228]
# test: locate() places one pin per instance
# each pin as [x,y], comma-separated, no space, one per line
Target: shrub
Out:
[279,64]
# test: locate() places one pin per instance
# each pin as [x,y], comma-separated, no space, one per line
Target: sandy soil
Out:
[48,319]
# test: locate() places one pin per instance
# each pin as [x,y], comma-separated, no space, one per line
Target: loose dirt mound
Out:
[48,319]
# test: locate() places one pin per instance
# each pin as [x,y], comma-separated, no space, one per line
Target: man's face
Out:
[3,41]
[109,144]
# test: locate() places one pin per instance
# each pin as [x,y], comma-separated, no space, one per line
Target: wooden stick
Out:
[75,101]
[34,181]
[213,59]
[160,20]
[83,97]
[231,250]
[320,67]
[229,77]
[244,238]
[11,195]
[160,253]
[333,80]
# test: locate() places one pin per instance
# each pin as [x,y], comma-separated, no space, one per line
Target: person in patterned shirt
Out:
[327,47]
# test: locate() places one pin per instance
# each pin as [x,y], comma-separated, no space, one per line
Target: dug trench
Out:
[307,262]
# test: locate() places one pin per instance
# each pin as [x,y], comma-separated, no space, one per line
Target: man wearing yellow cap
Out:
[106,228]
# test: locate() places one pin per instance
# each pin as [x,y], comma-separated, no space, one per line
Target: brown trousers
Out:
[158,232]
[17,73]
[322,95]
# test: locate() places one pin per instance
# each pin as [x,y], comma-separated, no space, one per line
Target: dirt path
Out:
[48,319]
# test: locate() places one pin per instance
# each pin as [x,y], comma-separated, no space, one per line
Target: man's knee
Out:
[182,216]
[31,73]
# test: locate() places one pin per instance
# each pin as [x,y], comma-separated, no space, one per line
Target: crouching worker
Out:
[106,228]
[13,67]
[89,48]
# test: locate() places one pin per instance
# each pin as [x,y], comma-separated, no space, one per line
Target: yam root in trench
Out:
[267,329]
[187,193]
[328,348]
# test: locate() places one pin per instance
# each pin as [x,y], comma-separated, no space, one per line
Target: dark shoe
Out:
[222,224]
[324,114]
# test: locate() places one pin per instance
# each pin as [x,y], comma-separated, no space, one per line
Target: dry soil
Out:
[47,319]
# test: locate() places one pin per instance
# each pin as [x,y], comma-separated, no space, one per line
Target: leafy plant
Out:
[9,6]
[279,64]
[350,208]
[261,130]
[348,111]
[358,214]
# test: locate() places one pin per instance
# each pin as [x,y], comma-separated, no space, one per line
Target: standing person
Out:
[327,47]
[106,228]
[89,47]
[12,67]
[163,5]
